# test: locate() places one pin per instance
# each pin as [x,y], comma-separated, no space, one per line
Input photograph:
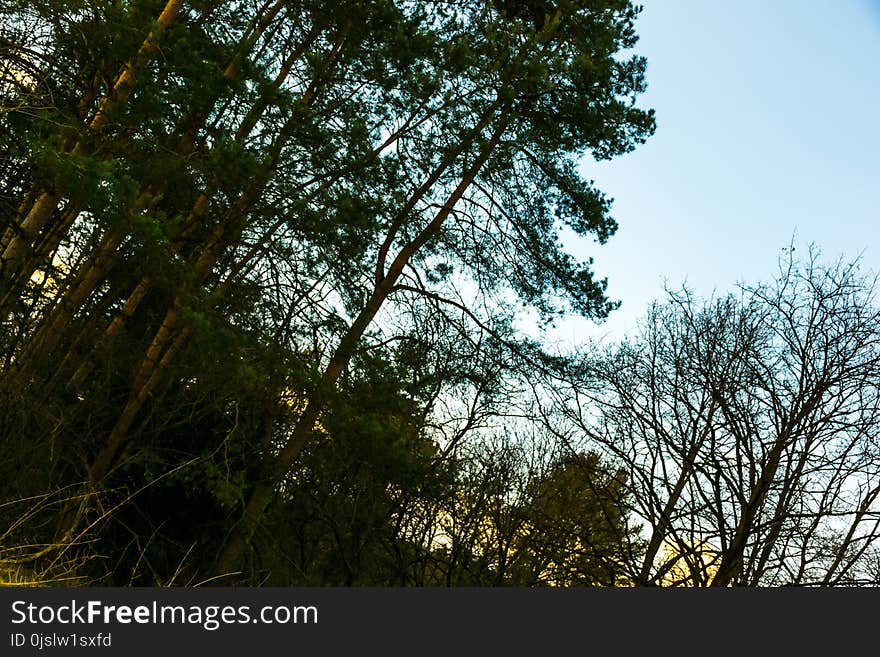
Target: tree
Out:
[747,429]
[541,88]
[290,186]
[576,532]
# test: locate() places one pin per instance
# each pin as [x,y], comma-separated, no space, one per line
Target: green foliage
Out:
[576,532]
[276,213]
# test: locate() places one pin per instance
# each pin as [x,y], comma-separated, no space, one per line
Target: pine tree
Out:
[209,205]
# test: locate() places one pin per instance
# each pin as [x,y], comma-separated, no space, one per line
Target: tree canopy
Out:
[271,276]
[229,225]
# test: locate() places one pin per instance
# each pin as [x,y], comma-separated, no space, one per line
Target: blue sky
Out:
[768,124]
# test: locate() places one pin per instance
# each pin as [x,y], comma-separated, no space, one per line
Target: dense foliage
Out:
[268,272]
[261,268]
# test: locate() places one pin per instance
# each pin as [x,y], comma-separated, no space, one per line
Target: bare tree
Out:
[748,429]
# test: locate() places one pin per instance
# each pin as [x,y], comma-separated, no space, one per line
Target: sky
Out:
[768,128]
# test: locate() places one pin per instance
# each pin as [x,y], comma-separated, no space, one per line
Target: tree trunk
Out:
[20,245]
[264,489]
